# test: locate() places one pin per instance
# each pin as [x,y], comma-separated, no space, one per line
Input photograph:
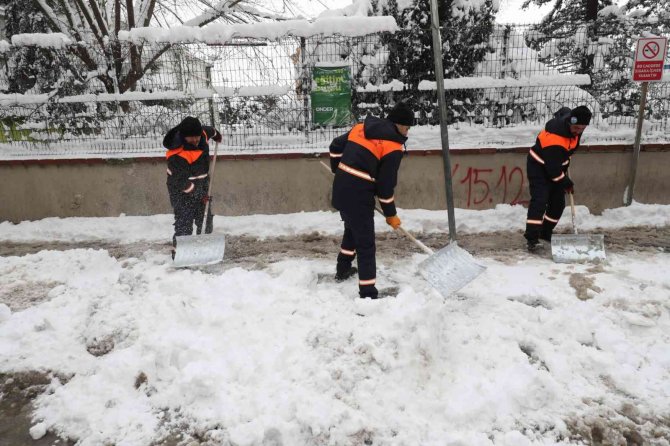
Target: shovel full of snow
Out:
[203,249]
[577,247]
[447,270]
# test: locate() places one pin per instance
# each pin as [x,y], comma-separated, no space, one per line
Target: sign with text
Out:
[649,59]
[331,96]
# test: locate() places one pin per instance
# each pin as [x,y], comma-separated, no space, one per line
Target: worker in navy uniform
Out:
[365,162]
[547,169]
[188,175]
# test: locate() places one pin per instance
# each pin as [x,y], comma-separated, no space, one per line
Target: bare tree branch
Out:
[89,20]
[135,57]
[98,17]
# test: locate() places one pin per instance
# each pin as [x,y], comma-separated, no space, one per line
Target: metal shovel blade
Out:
[195,250]
[577,247]
[450,269]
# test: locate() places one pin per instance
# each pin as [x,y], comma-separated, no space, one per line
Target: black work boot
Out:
[535,246]
[344,272]
[368,291]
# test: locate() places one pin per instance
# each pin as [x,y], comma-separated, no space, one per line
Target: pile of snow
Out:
[527,354]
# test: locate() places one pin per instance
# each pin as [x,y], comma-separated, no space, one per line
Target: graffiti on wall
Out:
[485,187]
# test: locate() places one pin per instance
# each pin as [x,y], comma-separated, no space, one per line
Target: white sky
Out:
[510,10]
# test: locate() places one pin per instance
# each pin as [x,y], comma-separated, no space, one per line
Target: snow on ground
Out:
[531,353]
[130,229]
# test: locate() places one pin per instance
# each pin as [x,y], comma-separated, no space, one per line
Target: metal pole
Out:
[636,146]
[444,135]
[305,85]
[210,101]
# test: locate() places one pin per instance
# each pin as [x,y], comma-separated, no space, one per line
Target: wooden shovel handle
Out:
[211,175]
[572,211]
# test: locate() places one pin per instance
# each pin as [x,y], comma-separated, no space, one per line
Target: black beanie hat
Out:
[190,126]
[580,115]
[401,114]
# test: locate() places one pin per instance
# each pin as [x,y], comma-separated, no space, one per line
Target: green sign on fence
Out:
[331,96]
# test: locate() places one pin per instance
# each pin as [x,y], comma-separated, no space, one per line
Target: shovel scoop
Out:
[450,269]
[195,250]
[569,248]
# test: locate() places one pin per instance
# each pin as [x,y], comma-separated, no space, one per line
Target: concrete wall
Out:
[31,190]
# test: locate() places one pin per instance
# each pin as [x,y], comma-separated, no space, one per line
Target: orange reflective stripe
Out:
[536,157]
[534,222]
[356,172]
[378,147]
[387,200]
[335,155]
[347,252]
[558,178]
[553,220]
[367,282]
[551,139]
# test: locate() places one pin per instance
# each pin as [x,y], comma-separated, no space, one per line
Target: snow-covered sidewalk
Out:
[504,217]
[531,353]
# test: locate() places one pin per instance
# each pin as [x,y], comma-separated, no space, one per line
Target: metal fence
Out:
[258,93]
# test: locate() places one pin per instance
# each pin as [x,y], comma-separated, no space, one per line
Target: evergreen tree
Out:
[574,39]
[465,32]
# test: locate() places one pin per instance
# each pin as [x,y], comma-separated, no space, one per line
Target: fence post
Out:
[305,85]
[210,101]
[444,135]
[636,145]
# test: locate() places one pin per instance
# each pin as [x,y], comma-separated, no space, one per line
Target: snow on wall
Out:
[222,33]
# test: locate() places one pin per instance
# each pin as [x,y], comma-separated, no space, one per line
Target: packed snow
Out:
[530,353]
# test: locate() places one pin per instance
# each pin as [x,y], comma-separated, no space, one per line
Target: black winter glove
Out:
[217,136]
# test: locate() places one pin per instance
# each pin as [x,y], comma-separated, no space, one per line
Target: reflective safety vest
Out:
[548,139]
[378,147]
[189,155]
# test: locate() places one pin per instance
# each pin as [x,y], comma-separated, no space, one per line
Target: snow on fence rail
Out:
[221,34]
[8,100]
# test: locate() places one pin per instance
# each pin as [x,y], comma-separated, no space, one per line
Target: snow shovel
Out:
[447,270]
[203,249]
[577,247]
